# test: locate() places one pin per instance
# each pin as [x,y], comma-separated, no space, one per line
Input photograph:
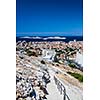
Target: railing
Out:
[61,89]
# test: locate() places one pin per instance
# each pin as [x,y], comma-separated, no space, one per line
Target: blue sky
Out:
[63,16]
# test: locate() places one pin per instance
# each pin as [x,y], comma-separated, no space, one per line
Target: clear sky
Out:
[49,16]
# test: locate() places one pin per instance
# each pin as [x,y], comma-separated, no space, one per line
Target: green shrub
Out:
[30,53]
[77,76]
[72,65]
[56,59]
[68,49]
[17,48]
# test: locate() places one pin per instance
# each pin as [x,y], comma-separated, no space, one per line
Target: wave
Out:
[44,38]
[26,37]
[54,38]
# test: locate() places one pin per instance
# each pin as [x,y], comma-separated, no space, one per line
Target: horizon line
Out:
[48,34]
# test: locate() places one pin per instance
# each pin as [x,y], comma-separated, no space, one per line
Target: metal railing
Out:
[61,89]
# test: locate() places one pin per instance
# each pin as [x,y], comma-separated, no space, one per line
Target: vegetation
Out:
[68,49]
[55,59]
[56,50]
[17,49]
[77,76]
[60,52]
[30,53]
[72,65]
[31,47]
[57,64]
[43,62]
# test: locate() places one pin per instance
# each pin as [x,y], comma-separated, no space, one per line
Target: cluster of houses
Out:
[56,51]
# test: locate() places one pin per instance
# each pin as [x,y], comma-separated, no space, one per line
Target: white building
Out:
[48,54]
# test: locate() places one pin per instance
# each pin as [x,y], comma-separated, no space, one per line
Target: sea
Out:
[49,39]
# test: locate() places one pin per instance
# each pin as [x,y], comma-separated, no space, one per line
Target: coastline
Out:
[49,39]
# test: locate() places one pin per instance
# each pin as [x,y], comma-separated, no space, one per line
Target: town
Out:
[49,70]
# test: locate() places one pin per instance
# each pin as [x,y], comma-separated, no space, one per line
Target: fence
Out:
[61,89]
